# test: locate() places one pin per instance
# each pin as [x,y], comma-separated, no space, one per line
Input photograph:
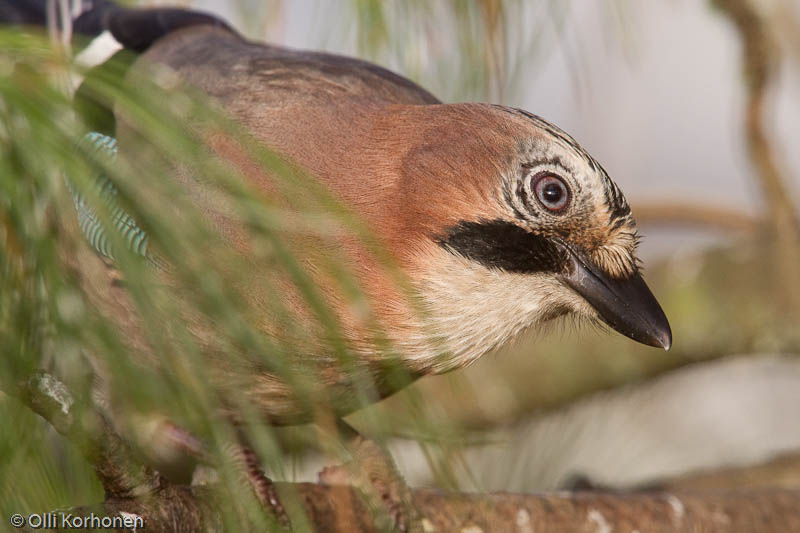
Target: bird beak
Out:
[627,305]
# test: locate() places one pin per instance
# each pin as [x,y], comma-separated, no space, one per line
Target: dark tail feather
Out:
[88,22]
[23,12]
[137,29]
[134,29]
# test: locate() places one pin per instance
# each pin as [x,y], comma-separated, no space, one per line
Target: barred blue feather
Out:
[95,232]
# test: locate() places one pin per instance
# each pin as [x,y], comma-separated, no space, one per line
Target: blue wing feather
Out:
[95,232]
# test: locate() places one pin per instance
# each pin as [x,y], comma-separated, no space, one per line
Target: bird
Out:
[499,220]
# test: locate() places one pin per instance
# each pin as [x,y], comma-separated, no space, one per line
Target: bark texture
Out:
[339,509]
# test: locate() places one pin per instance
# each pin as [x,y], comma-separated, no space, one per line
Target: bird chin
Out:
[561,310]
[474,310]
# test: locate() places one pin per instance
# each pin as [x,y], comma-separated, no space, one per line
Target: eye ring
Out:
[552,192]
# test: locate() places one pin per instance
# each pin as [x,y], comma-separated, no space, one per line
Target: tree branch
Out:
[339,509]
[695,215]
[136,492]
[760,59]
[118,468]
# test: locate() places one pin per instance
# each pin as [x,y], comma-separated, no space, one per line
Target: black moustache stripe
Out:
[505,246]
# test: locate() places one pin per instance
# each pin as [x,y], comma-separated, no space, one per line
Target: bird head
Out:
[532,228]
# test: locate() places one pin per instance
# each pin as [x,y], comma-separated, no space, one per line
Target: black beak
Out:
[627,305]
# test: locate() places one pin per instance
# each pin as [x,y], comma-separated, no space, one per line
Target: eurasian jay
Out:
[499,220]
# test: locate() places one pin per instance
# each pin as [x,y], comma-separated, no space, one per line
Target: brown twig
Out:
[165,507]
[695,215]
[118,469]
[760,60]
[782,471]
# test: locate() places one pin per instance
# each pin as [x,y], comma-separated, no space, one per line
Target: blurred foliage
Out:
[192,280]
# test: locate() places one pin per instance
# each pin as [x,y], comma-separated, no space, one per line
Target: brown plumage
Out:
[453,191]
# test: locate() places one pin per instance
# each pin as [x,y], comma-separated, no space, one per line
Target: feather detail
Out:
[95,232]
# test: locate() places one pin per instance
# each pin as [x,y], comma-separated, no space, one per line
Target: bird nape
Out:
[495,220]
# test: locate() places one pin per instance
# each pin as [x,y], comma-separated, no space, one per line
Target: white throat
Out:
[472,310]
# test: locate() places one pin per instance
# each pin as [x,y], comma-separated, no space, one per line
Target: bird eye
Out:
[552,192]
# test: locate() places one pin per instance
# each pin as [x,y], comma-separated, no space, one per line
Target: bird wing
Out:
[212,58]
[273,87]
[184,40]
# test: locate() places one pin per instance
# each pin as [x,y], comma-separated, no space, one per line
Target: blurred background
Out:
[694,110]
